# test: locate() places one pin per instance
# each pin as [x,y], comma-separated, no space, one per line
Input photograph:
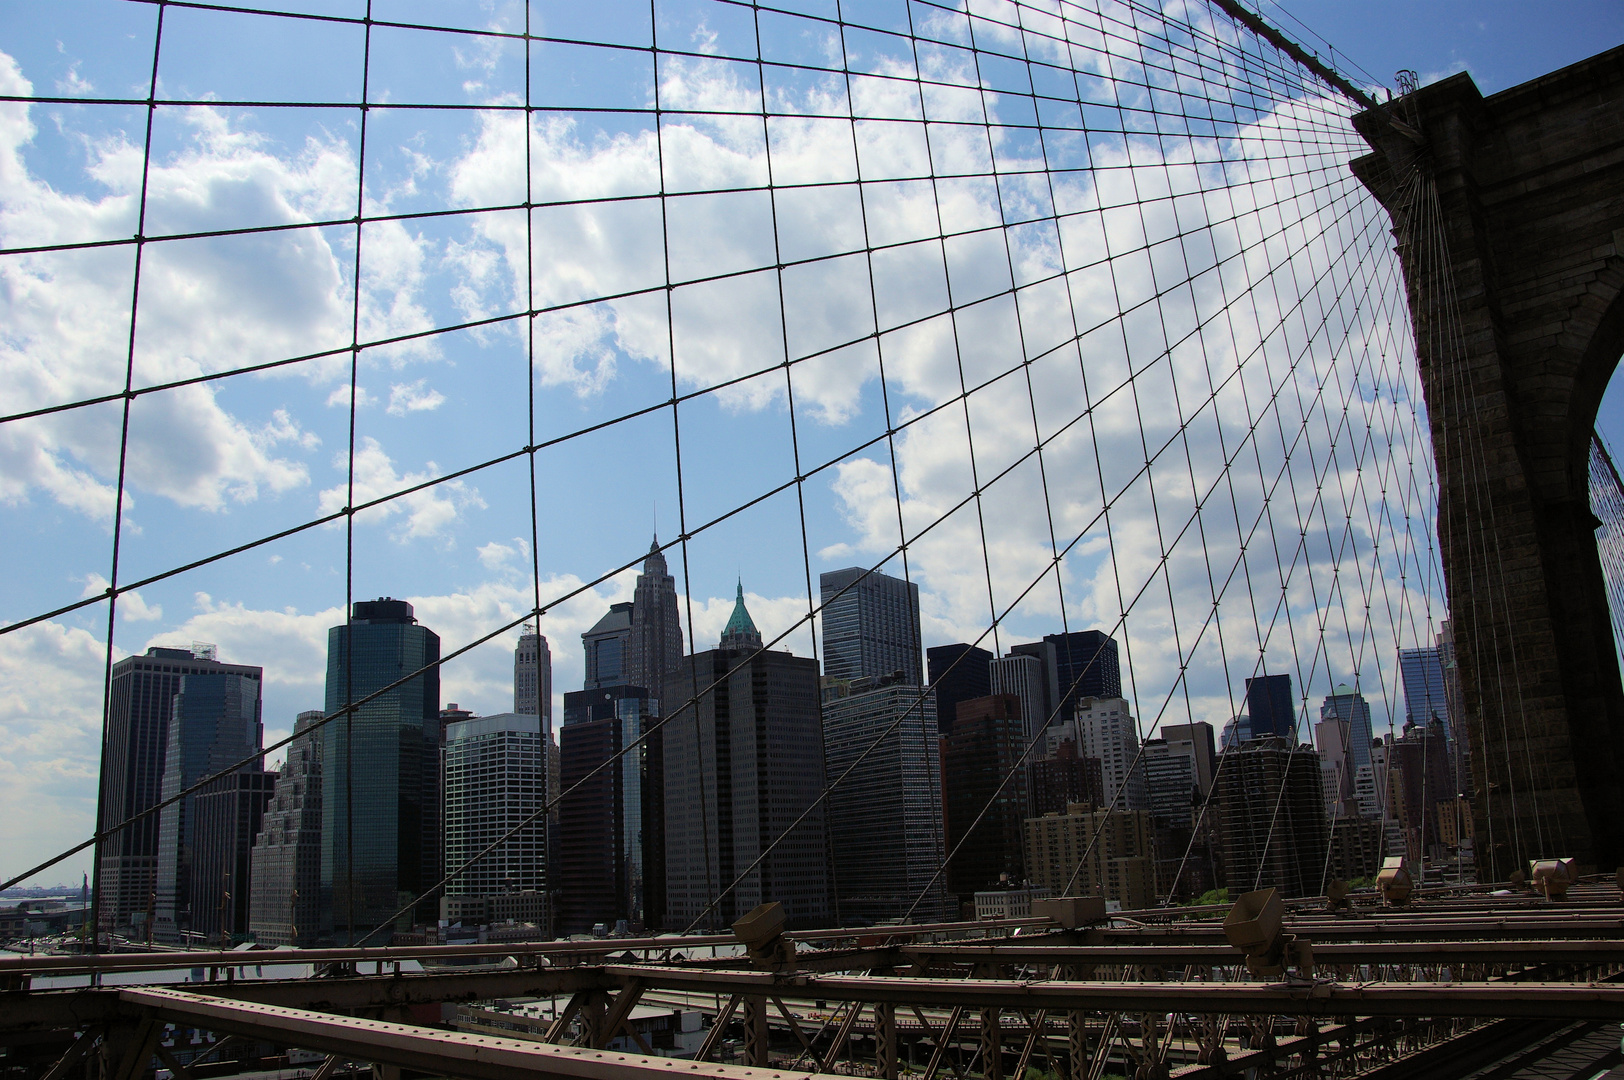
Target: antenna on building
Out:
[205,650]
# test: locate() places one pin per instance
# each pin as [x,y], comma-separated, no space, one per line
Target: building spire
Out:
[740,632]
[655,644]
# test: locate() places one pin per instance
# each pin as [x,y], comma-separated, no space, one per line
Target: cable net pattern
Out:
[1072,314]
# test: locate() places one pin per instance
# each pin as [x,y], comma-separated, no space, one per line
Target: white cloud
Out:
[75,83]
[339,398]
[1170,373]
[413,397]
[1158,212]
[1427,78]
[204,305]
[50,730]
[429,512]
[131,606]
[496,556]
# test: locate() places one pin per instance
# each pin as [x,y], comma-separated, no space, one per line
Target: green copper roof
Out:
[740,623]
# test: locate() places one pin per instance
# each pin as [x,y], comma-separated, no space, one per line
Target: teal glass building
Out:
[381,835]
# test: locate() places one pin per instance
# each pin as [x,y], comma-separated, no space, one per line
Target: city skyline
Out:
[940,477]
[623,609]
[613,861]
[463,548]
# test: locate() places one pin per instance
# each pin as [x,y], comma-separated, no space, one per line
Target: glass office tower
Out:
[380,830]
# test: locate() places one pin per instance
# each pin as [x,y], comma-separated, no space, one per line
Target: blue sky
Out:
[220,464]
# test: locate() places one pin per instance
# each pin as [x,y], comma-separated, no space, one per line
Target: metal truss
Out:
[1496,974]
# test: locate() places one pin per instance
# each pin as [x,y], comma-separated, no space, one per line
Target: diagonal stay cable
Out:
[1038,737]
[591,428]
[693,701]
[602,578]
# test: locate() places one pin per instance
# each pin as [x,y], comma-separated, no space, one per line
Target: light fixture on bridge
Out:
[762,934]
[1256,926]
[1551,877]
[1336,897]
[1395,881]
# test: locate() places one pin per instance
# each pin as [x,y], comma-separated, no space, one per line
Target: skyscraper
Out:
[1064,777]
[1195,742]
[611,845]
[132,771]
[533,677]
[655,643]
[380,838]
[1179,770]
[285,864]
[1452,695]
[957,673]
[1423,780]
[885,825]
[1105,729]
[1170,784]
[1275,832]
[495,781]
[228,815]
[870,625]
[1021,674]
[214,723]
[1079,664]
[1425,695]
[743,762]
[984,794]
[1343,738]
[1269,704]
[604,647]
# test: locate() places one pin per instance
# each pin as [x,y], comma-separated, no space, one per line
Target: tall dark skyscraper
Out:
[214,723]
[285,864]
[870,625]
[742,763]
[604,647]
[228,815]
[885,818]
[380,838]
[611,845]
[1080,664]
[957,673]
[132,772]
[655,643]
[1268,703]
[1272,803]
[533,678]
[986,743]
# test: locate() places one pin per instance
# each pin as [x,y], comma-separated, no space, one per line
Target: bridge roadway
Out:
[1163,983]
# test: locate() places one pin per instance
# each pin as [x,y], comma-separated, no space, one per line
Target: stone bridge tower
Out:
[1509,218]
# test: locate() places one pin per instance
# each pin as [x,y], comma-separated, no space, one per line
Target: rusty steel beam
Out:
[1336,952]
[23,1010]
[170,961]
[1489,918]
[167,961]
[447,1053]
[1498,928]
[1295,998]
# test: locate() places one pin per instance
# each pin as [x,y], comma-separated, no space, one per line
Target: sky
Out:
[1282,362]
